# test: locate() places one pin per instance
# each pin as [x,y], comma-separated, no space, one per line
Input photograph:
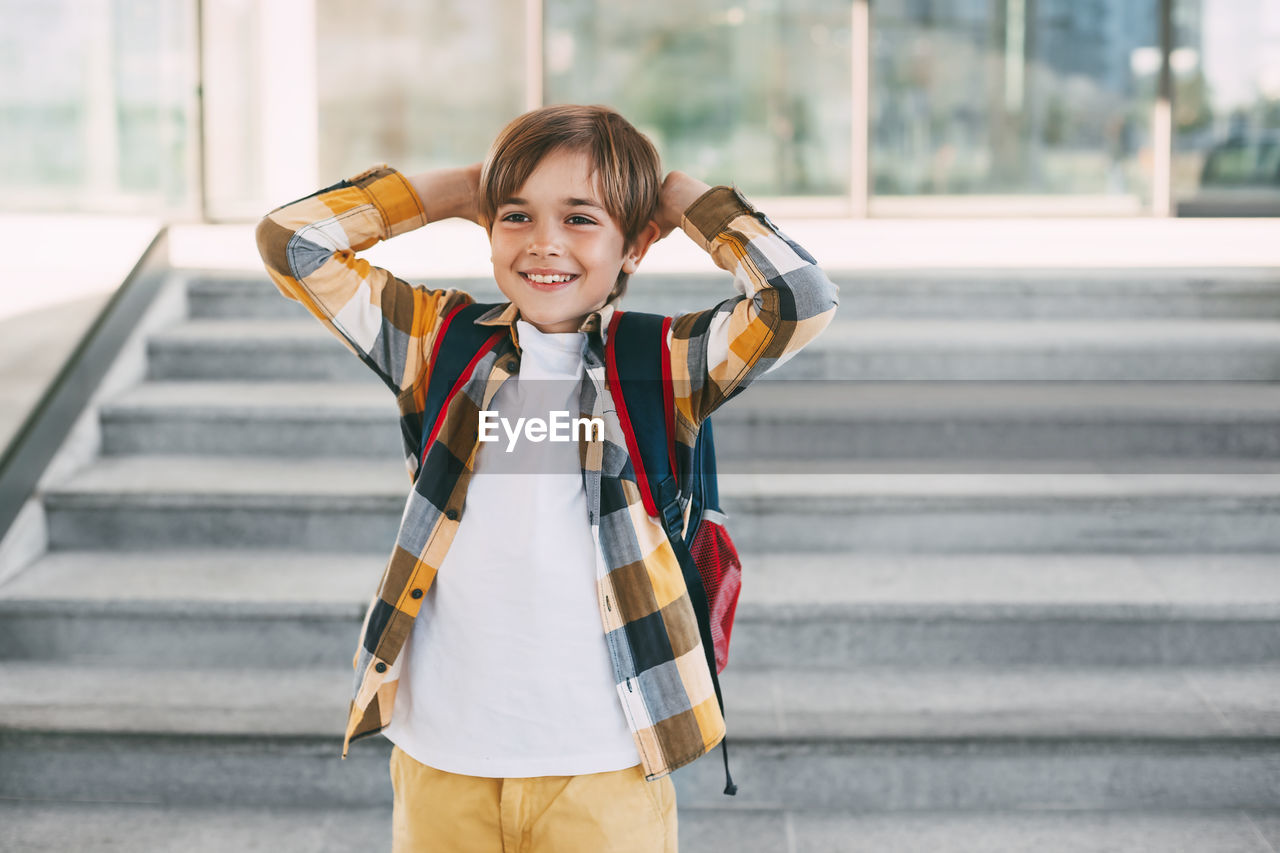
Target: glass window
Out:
[1011,96]
[417,84]
[96,105]
[755,92]
[1226,107]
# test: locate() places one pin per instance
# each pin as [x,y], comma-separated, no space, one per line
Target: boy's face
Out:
[556,251]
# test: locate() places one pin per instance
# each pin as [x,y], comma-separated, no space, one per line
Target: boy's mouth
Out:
[549,282]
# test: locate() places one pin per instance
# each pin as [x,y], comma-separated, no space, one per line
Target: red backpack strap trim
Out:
[633,448]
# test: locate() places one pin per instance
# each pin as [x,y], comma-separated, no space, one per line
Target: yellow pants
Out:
[613,812]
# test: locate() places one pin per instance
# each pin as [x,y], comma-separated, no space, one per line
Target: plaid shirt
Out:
[660,669]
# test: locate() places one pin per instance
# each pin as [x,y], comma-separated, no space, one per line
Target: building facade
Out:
[214,109]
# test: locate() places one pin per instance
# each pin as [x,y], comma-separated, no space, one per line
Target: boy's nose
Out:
[544,241]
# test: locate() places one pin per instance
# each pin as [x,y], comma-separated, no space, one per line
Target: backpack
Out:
[707,556]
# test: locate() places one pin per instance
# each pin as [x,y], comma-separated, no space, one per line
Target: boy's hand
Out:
[678,192]
[471,210]
[449,192]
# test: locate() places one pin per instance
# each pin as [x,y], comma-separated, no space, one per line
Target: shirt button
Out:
[417,593]
[451,514]
[381,667]
[511,366]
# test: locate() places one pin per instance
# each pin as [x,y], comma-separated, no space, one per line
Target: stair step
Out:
[950,738]
[262,700]
[864,703]
[1196,402]
[852,348]
[968,293]
[50,827]
[800,419]
[1020,350]
[302,419]
[222,607]
[219,607]
[1183,505]
[107,826]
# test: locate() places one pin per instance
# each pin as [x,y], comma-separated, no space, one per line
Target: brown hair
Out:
[623,160]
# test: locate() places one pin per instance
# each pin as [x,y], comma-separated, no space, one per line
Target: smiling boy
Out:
[557,252]
[531,649]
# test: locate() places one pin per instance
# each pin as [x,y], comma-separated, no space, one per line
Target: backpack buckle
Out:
[672,519]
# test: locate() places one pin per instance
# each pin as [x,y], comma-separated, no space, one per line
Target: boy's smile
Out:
[556,251]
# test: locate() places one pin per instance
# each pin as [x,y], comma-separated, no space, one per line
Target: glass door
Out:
[756,93]
[1004,105]
[1226,107]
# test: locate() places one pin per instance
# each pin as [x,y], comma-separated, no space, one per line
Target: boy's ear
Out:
[644,240]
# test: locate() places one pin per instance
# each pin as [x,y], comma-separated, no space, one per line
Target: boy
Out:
[517,722]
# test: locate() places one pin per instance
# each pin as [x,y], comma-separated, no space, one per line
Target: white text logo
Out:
[560,427]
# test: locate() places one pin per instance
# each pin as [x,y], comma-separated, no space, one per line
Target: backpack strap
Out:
[647,416]
[452,366]
[644,398]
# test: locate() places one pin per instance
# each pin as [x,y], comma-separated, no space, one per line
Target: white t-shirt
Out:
[506,671]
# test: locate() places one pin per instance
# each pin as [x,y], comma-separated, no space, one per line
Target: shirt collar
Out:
[596,324]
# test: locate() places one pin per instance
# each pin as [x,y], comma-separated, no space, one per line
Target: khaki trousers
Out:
[612,812]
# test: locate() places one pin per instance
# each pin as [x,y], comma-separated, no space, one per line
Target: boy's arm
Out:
[309,246]
[786,299]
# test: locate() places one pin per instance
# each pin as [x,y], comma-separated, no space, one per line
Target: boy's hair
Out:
[624,162]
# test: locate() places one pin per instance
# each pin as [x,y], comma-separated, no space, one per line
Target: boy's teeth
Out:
[548,279]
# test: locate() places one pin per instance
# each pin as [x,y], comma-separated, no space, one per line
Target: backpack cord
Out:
[729,788]
[671,519]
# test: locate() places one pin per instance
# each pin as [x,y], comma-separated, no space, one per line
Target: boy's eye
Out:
[576,219]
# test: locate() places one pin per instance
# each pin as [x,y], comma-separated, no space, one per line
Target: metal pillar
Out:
[860,124]
[1162,121]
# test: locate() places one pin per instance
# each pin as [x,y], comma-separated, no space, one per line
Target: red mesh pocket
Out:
[721,571]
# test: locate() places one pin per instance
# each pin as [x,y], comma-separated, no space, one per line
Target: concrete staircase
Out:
[1012,545]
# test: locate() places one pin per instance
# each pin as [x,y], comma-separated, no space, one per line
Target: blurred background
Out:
[202,109]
